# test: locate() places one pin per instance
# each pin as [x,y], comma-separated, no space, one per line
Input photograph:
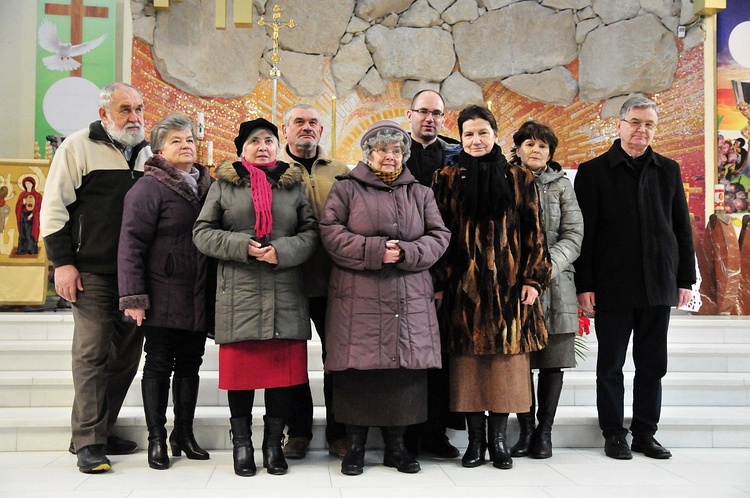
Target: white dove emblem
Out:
[62,60]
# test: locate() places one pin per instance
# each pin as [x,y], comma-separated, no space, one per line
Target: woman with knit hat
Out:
[258,223]
[383,231]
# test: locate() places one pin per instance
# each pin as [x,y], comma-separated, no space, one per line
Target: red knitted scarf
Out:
[260,190]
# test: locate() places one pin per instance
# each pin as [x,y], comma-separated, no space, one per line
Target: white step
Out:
[48,429]
[55,388]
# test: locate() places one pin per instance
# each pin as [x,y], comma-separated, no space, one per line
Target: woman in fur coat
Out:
[495,267]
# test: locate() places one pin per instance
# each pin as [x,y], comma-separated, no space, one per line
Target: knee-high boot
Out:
[550,386]
[477,427]
[526,422]
[242,446]
[273,454]
[396,455]
[498,424]
[185,397]
[155,397]
[354,461]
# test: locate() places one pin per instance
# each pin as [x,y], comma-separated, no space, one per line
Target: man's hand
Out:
[683,297]
[528,295]
[587,301]
[137,314]
[68,282]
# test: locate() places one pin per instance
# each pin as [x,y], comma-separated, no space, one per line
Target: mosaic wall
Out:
[582,133]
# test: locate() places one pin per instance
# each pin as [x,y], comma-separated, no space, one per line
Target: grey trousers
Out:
[106,352]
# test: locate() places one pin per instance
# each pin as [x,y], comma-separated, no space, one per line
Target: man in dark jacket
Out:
[426,116]
[80,221]
[637,260]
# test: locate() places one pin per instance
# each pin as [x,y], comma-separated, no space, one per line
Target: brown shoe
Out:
[296,447]
[338,448]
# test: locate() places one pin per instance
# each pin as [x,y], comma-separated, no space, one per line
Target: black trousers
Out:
[172,350]
[613,328]
[300,417]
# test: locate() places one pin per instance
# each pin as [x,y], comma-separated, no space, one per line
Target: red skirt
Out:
[250,365]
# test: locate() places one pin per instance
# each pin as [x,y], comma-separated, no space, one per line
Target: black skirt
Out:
[377,398]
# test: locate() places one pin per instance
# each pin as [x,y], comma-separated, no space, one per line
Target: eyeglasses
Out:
[637,123]
[424,112]
[396,153]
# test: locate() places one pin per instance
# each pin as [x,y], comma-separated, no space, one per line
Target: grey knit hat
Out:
[384,125]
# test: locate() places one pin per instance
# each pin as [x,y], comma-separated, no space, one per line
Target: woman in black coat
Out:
[162,279]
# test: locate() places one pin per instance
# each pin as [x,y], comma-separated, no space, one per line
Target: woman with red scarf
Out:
[258,223]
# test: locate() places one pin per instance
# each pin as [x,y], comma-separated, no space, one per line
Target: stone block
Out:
[609,67]
[555,86]
[411,53]
[541,37]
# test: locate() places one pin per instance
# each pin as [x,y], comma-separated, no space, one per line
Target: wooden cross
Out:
[77,11]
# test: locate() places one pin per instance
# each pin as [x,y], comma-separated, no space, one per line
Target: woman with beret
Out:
[258,223]
[163,282]
[494,269]
[534,147]
[383,232]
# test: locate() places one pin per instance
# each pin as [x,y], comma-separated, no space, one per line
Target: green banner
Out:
[75,58]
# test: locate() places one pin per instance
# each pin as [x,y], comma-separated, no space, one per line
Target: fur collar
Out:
[236,174]
[165,173]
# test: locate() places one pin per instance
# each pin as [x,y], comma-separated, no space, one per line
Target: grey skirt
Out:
[377,398]
[559,353]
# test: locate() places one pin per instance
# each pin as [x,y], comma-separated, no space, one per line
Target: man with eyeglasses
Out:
[429,149]
[80,221]
[426,116]
[302,130]
[637,261]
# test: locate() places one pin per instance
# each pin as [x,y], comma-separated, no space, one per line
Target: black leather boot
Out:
[477,427]
[526,423]
[242,443]
[273,454]
[185,397]
[550,386]
[155,394]
[396,455]
[354,461]
[496,427]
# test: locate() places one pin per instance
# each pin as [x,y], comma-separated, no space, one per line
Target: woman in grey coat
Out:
[258,223]
[383,231]
[534,147]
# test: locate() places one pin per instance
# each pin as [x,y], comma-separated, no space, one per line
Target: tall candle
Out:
[333,126]
[209,152]
[201,126]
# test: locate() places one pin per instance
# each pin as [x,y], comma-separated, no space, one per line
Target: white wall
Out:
[18,72]
[17,78]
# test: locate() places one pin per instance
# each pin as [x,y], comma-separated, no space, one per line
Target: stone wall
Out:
[550,51]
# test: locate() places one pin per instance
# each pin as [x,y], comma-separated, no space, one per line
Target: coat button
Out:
[396,315]
[276,334]
[393,358]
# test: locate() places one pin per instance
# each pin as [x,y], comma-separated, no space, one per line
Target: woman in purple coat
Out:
[162,279]
[383,231]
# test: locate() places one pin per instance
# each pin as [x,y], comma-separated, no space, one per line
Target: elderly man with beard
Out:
[80,221]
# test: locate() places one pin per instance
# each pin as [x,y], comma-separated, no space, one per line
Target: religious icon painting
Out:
[23,262]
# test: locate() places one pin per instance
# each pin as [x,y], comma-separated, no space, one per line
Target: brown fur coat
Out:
[497,246]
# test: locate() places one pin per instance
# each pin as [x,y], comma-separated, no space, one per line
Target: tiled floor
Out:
[574,473]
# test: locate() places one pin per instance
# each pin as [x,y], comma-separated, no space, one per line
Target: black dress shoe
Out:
[92,460]
[650,447]
[119,446]
[115,446]
[439,445]
[617,447]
